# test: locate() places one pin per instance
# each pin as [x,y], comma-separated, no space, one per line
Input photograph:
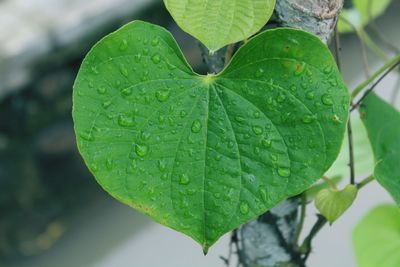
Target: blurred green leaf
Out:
[218,23]
[382,122]
[362,13]
[376,239]
[364,163]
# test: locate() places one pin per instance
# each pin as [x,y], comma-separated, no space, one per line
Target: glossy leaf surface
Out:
[218,23]
[205,154]
[382,122]
[376,238]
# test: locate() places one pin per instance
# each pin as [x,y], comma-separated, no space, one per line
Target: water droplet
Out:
[101,90]
[183,114]
[256,114]
[156,59]
[328,69]
[164,177]
[327,100]
[87,135]
[259,73]
[263,193]
[138,58]
[155,41]
[283,172]
[124,45]
[184,179]
[310,95]
[126,91]
[141,150]
[308,118]
[126,121]
[162,95]
[244,208]
[109,164]
[106,104]
[274,157]
[196,126]
[266,143]
[258,130]
[123,70]
[239,119]
[162,165]
[281,97]
[145,135]
[146,51]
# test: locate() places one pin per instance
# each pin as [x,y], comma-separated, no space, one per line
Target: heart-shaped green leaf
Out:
[205,154]
[382,122]
[333,203]
[376,238]
[218,23]
[362,13]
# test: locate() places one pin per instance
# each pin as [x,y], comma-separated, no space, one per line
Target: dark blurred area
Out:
[42,177]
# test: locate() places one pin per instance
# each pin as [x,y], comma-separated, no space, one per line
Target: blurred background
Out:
[52,212]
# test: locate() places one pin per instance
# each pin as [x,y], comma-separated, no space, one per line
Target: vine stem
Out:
[303,209]
[364,84]
[365,181]
[374,85]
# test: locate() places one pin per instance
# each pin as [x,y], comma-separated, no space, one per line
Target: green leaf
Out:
[376,239]
[333,203]
[382,122]
[362,13]
[364,164]
[205,154]
[218,23]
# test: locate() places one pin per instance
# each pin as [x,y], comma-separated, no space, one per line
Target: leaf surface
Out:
[376,239]
[205,154]
[333,203]
[382,122]
[218,23]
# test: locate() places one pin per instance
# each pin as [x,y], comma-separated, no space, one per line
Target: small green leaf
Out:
[218,23]
[205,154]
[313,191]
[382,122]
[376,239]
[333,203]
[362,13]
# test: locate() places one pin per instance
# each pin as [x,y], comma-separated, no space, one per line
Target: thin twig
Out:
[374,85]
[362,45]
[365,181]
[338,49]
[364,84]
[374,27]
[351,151]
[303,209]
[306,247]
[349,129]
